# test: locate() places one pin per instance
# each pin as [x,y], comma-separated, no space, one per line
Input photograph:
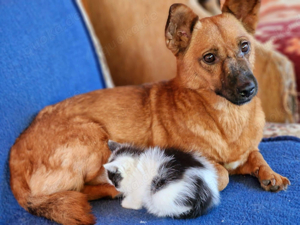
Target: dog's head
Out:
[216,53]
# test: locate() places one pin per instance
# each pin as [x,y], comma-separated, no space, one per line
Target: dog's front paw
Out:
[271,181]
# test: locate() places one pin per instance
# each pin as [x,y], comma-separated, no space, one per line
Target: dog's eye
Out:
[209,58]
[245,47]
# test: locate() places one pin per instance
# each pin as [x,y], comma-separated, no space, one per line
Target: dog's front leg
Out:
[94,192]
[223,176]
[258,167]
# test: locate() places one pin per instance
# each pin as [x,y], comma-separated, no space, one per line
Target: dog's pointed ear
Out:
[179,27]
[245,11]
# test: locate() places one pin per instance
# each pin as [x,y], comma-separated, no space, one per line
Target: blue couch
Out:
[46,55]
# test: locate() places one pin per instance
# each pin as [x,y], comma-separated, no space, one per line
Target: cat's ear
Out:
[113,145]
[120,164]
[111,167]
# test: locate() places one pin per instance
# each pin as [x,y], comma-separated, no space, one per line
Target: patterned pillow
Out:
[279,27]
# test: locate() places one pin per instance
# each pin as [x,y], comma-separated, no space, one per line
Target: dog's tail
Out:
[66,207]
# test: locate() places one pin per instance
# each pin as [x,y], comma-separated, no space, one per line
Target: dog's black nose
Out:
[246,90]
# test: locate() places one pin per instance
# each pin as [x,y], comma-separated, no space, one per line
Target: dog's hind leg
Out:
[50,164]
[258,167]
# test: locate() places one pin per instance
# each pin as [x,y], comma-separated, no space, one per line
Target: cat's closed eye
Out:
[115,177]
[160,183]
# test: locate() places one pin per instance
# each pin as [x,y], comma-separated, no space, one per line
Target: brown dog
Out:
[56,164]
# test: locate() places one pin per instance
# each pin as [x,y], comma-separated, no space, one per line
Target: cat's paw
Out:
[130,204]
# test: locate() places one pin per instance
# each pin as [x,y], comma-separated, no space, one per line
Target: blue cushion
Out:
[242,202]
[46,56]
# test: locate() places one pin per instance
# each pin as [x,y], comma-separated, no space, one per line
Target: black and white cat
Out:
[166,182]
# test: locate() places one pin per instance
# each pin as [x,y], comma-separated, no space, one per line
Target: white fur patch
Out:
[163,202]
[198,25]
[232,165]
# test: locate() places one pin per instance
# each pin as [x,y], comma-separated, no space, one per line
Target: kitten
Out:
[166,182]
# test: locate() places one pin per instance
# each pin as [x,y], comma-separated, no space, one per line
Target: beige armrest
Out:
[277,86]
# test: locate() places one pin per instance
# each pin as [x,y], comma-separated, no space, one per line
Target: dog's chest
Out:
[233,165]
[232,121]
[227,127]
[225,137]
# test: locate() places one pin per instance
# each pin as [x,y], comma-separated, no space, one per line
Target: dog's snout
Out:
[246,90]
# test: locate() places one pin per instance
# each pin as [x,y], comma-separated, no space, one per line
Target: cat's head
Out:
[121,162]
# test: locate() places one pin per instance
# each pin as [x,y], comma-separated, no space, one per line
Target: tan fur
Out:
[62,152]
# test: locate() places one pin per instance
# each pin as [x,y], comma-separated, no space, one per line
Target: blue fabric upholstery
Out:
[45,56]
[242,202]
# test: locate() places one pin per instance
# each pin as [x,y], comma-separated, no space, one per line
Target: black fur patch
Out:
[128,150]
[183,159]
[115,178]
[195,20]
[31,209]
[173,169]
[200,202]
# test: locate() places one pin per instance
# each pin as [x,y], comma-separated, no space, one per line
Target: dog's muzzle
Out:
[240,90]
[246,92]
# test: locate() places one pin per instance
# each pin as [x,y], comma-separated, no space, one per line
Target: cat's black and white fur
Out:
[166,182]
